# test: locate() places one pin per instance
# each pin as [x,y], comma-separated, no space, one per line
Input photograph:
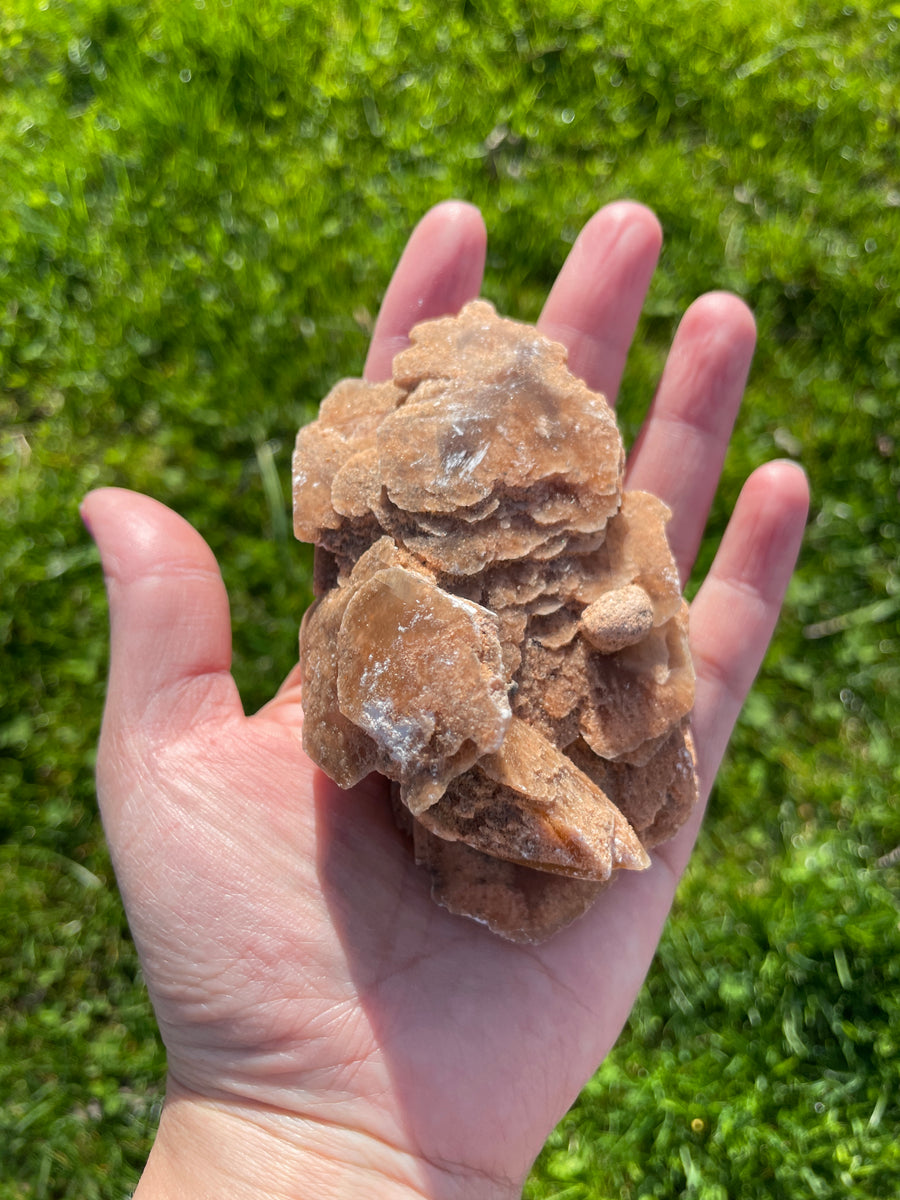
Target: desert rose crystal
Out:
[498,627]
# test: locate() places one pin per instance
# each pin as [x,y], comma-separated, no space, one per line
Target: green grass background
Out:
[200,206]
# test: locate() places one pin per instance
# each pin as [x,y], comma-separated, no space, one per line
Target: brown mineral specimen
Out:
[498,628]
[617,619]
[420,671]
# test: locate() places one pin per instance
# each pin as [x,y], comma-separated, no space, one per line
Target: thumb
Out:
[170,628]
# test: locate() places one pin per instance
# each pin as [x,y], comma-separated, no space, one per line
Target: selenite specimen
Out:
[498,628]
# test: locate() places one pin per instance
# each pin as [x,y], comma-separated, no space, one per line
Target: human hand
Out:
[331,1031]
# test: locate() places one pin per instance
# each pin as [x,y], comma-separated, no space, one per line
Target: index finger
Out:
[439,271]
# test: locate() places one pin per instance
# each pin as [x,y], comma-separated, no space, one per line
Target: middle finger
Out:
[594,306]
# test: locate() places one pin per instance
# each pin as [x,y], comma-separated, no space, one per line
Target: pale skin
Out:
[330,1031]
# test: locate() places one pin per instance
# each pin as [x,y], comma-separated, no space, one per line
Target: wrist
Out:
[208,1149]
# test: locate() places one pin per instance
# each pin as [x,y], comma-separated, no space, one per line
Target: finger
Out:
[680,450]
[286,706]
[170,654]
[594,306]
[735,611]
[439,271]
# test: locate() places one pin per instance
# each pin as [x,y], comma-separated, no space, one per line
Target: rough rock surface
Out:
[498,628]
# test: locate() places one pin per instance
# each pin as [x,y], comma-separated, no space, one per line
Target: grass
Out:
[201,206]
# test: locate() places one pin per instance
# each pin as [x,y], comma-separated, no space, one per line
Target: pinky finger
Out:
[736,610]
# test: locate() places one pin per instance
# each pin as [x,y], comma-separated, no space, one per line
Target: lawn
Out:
[201,203]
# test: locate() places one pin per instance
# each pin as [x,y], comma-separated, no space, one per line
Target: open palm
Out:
[318,1010]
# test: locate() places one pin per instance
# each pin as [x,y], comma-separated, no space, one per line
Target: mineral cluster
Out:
[498,627]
